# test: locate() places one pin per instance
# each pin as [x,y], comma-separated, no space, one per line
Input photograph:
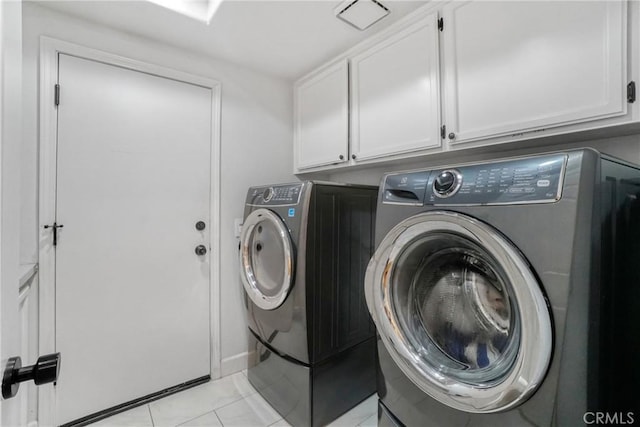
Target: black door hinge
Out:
[441,24]
[443,132]
[57,95]
[54,228]
[631,92]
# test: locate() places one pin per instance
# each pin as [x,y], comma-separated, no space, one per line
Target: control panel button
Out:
[447,183]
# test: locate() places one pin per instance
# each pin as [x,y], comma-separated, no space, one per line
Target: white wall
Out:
[256,141]
[625,147]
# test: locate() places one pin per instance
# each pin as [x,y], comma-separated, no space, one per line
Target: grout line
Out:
[219,420]
[196,417]
[366,419]
[235,401]
[151,415]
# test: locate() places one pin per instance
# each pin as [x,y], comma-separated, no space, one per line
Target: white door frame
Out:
[49,50]
[10,147]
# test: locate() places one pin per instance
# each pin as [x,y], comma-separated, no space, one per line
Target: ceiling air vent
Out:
[361,13]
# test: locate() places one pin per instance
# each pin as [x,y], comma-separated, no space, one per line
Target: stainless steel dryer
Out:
[304,250]
[508,292]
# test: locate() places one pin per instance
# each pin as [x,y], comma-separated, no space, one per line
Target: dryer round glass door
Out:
[460,311]
[267,262]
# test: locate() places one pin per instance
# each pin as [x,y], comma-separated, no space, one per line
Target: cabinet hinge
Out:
[443,132]
[56,96]
[631,92]
[441,24]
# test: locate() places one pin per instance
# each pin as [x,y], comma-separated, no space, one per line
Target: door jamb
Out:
[48,75]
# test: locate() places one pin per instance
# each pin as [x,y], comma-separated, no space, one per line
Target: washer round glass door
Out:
[267,259]
[460,311]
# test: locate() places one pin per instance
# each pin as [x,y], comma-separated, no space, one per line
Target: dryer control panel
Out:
[536,179]
[276,195]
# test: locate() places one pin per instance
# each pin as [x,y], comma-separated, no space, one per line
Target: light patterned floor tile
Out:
[251,411]
[372,421]
[209,419]
[136,417]
[189,404]
[230,401]
[280,423]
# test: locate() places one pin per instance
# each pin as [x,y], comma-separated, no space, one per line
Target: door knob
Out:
[46,370]
[201,250]
[200,225]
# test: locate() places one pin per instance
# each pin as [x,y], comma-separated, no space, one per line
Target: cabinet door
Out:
[322,118]
[512,67]
[395,93]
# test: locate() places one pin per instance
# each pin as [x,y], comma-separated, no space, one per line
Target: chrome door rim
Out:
[249,281]
[534,354]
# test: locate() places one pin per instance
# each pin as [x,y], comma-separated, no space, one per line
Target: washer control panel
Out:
[276,195]
[536,179]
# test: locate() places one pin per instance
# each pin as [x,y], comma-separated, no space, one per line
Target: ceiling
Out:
[281,38]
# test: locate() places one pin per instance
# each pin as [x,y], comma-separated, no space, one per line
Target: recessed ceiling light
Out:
[361,13]
[201,10]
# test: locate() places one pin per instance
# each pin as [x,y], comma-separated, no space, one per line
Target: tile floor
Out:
[229,401]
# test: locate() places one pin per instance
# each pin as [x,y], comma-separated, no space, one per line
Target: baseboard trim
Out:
[236,363]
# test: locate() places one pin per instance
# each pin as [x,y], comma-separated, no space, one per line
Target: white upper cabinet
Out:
[496,72]
[513,67]
[321,104]
[395,102]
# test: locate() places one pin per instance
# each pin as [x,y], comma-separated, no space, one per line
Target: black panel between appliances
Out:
[614,340]
[339,246]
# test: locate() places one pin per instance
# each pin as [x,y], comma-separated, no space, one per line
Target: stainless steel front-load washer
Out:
[508,292]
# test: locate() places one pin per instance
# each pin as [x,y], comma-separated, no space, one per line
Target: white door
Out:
[511,67]
[395,94]
[322,117]
[133,179]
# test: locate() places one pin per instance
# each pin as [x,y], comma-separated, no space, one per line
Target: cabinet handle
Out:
[452,135]
[353,156]
[341,157]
